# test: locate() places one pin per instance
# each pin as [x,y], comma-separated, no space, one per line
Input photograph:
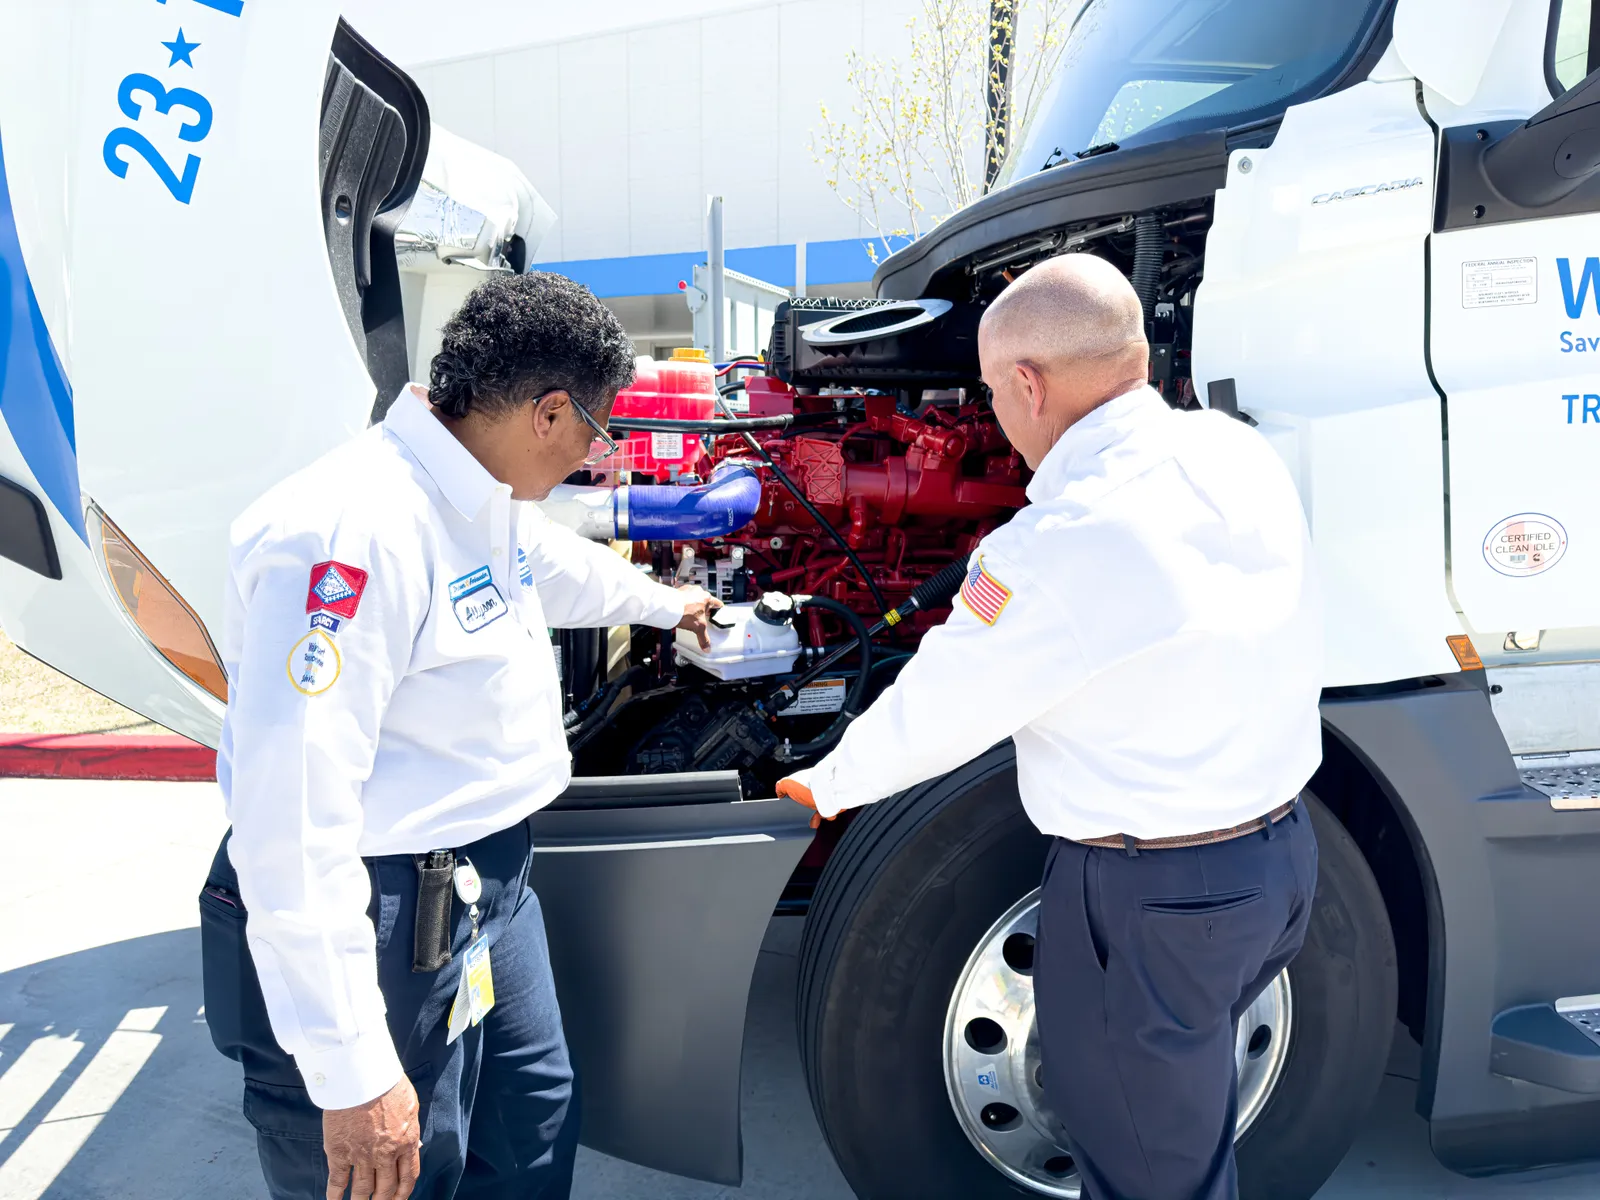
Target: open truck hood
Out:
[199,211]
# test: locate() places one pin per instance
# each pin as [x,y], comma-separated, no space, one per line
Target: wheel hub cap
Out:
[992,1066]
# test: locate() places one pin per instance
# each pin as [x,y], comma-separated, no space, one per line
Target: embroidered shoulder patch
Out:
[336,587]
[314,664]
[984,595]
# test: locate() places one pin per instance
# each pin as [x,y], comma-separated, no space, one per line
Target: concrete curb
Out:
[105,756]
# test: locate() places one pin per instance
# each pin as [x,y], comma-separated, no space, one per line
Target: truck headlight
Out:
[153,604]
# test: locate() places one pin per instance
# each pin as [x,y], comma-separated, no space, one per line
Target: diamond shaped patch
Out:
[336,587]
[333,588]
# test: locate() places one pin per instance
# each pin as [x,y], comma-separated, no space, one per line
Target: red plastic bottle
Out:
[682,387]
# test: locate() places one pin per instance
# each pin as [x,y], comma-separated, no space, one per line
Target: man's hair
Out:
[517,337]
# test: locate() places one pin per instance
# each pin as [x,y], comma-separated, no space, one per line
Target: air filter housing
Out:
[820,340]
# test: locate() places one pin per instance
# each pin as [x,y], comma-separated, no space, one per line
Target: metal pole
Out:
[1002,38]
[717,290]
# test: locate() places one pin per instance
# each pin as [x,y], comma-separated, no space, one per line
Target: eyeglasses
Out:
[603,446]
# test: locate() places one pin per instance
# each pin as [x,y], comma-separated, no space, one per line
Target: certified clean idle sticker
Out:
[1526,544]
[1495,282]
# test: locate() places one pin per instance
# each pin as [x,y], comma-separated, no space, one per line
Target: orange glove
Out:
[794,790]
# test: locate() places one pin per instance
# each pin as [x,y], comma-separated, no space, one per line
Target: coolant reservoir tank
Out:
[682,387]
[747,648]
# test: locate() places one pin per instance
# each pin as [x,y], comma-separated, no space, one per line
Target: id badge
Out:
[475,992]
[480,980]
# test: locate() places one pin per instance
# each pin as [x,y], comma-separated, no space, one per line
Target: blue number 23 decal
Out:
[163,101]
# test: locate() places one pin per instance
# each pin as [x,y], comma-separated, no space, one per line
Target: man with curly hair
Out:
[374,956]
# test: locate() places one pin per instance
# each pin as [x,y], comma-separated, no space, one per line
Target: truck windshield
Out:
[1137,71]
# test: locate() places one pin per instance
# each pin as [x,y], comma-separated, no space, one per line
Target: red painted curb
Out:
[105,756]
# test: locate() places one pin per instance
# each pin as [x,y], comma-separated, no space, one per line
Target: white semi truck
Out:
[1369,227]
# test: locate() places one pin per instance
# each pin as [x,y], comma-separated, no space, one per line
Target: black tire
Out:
[917,880]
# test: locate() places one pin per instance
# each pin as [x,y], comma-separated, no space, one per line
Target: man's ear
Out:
[1031,381]
[547,410]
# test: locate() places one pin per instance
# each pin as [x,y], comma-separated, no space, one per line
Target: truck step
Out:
[1571,780]
[1557,1044]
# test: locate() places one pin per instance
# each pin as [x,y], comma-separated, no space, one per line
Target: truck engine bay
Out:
[830,495]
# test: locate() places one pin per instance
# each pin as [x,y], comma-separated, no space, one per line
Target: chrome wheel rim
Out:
[991,1057]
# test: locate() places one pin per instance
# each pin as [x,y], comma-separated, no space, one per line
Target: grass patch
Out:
[35,698]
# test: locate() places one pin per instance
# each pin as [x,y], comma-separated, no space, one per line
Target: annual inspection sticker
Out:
[1497,282]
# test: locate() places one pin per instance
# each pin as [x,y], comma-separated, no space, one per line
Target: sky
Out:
[415,32]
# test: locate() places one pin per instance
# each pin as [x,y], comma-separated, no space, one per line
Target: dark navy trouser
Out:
[1144,965]
[499,1114]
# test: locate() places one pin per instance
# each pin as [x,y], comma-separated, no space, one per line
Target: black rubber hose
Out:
[934,592]
[714,425]
[822,521]
[596,719]
[1148,244]
[855,701]
[938,590]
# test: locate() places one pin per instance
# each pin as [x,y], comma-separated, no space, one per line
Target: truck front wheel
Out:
[915,1007]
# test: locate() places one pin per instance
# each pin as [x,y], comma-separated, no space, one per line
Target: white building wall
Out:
[626,132]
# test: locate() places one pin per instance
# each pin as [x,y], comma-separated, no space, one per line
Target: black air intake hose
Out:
[853,704]
[1148,244]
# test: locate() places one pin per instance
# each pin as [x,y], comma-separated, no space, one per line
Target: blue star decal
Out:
[181,50]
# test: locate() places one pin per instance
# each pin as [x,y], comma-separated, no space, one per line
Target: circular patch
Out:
[1526,544]
[314,663]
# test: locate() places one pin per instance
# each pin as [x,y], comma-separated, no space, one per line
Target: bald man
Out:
[1147,631]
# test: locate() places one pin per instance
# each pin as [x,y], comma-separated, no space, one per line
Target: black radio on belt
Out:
[435,879]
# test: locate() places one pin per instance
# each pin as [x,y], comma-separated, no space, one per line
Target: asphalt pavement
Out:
[110,1088]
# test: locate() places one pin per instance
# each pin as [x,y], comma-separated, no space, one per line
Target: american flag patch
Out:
[985,595]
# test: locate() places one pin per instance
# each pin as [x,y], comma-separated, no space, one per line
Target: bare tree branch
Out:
[912,149]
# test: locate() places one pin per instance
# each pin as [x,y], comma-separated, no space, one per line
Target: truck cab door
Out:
[1514,341]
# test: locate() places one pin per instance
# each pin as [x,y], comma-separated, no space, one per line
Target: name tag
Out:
[476,600]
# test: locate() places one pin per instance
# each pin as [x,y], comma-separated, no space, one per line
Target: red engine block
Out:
[908,494]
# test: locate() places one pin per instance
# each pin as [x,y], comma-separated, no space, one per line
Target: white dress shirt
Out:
[1147,630]
[408,701]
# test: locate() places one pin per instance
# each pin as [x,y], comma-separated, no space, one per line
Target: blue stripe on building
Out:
[35,397]
[828,264]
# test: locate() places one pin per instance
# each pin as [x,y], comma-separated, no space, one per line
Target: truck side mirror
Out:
[1551,154]
[1514,171]
[1448,43]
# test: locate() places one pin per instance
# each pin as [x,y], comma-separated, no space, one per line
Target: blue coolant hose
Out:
[664,512]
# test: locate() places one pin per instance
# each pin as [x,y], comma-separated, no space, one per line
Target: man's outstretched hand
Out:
[374,1148]
[794,790]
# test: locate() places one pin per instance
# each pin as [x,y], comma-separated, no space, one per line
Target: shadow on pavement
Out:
[110,1088]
